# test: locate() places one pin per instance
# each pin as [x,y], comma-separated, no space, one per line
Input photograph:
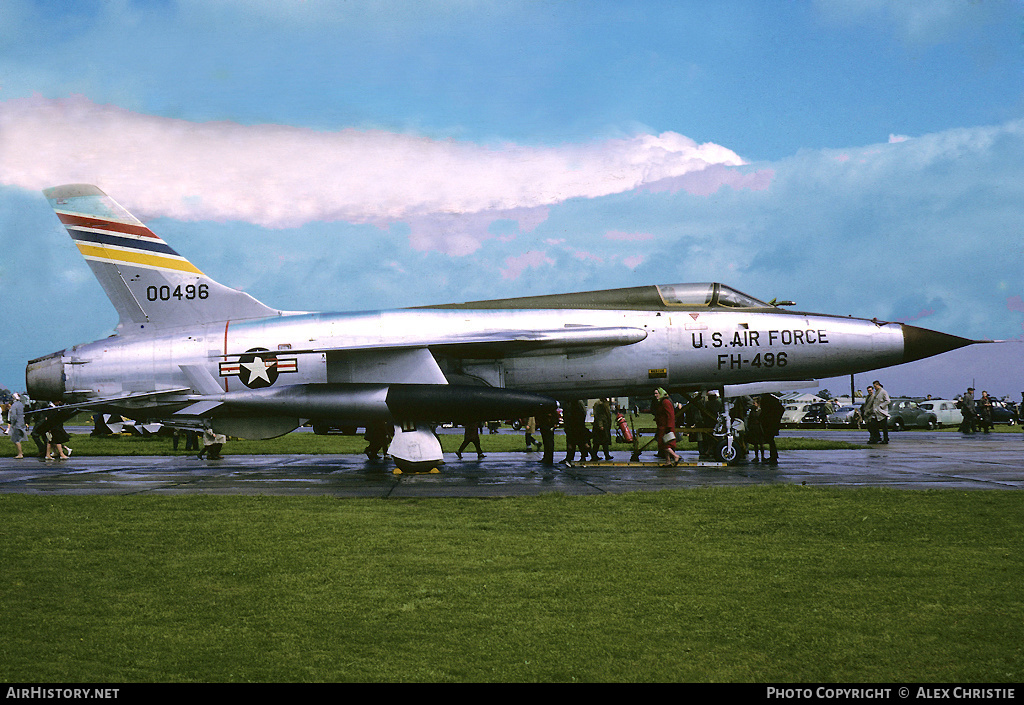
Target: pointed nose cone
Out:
[919,343]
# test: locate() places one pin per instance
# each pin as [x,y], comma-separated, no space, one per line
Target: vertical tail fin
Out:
[149,284]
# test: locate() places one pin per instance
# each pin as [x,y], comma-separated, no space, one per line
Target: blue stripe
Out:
[127,242]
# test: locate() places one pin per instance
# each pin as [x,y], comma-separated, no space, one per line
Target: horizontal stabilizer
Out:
[124,401]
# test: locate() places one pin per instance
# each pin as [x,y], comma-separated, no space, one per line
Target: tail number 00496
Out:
[187,292]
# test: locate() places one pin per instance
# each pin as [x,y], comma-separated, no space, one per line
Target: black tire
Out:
[726,453]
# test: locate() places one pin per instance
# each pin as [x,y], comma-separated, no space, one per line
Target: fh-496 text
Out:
[736,362]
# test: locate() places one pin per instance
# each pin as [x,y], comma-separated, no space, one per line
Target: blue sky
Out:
[862,158]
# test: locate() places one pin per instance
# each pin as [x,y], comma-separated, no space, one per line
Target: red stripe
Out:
[83,221]
[226,324]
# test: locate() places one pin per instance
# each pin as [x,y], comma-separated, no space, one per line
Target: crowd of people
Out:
[48,431]
[51,438]
[977,413]
[754,420]
[875,412]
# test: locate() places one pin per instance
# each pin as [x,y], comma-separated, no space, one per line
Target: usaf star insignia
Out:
[258,367]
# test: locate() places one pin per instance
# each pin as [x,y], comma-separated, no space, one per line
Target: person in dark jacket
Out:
[56,436]
[771,421]
[984,407]
[754,433]
[602,430]
[577,437]
[378,437]
[547,419]
[471,436]
[967,408]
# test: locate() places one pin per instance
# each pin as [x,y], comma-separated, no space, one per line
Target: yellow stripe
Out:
[145,259]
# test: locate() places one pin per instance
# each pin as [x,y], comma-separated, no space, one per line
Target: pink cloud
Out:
[1015,303]
[515,266]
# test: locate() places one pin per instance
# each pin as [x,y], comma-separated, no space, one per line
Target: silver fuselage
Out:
[677,350]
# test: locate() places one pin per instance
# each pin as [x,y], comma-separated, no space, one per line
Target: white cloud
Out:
[279,176]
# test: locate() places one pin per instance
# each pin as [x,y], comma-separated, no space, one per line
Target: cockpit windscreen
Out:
[707,294]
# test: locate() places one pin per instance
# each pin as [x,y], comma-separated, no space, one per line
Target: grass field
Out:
[763,584]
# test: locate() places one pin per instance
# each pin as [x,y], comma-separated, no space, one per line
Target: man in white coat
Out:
[877,412]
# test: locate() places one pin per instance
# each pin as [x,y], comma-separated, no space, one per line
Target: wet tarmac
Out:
[913,460]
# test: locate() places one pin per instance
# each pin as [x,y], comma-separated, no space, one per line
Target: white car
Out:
[794,413]
[946,413]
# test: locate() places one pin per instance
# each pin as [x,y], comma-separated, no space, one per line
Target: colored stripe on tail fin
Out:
[148,283]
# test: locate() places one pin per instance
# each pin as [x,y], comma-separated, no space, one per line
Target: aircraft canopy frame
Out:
[707,294]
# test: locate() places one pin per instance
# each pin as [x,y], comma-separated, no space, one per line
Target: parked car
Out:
[946,411]
[816,415]
[844,416]
[1003,413]
[907,413]
[794,413]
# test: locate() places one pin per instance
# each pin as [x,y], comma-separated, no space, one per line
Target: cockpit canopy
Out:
[707,294]
[667,296]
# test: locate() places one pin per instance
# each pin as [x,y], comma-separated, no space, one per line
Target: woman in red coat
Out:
[665,420]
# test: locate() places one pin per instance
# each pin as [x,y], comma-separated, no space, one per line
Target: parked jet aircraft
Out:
[190,351]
